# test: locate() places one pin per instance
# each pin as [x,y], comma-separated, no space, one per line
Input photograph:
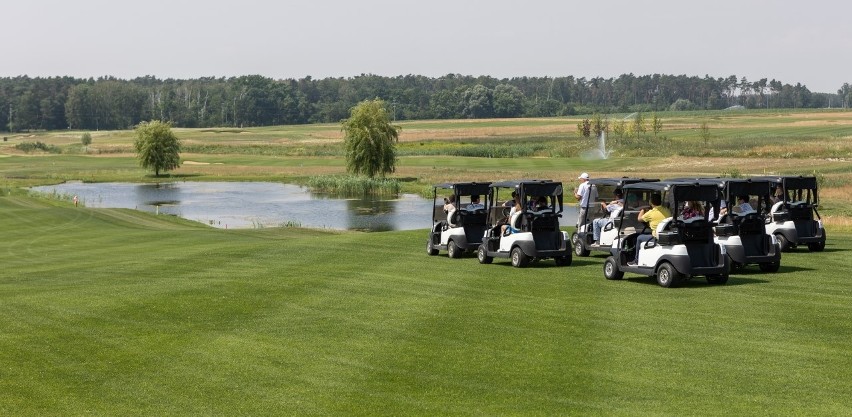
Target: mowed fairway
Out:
[117,312]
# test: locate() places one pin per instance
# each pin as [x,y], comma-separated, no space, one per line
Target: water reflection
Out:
[372,215]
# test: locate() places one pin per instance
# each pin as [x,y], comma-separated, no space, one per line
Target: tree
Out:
[639,125]
[682,104]
[584,128]
[86,139]
[157,147]
[370,139]
[619,128]
[656,124]
[705,133]
[508,101]
[477,100]
[600,124]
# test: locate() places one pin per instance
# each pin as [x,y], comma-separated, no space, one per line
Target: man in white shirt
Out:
[582,195]
[613,208]
[744,206]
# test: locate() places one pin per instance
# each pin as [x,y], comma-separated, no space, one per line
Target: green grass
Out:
[116,312]
[355,186]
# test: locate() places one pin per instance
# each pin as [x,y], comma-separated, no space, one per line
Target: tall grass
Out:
[355,186]
[480,150]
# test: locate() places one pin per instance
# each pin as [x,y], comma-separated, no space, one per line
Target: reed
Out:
[354,186]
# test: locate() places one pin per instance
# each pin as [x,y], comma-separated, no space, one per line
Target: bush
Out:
[34,146]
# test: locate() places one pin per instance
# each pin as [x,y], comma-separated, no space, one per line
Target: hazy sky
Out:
[803,41]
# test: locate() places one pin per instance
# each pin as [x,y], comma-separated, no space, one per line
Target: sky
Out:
[808,42]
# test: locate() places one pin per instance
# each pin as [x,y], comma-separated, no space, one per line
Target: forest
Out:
[105,103]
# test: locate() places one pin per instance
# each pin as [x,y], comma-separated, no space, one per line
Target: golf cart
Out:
[459,230]
[682,249]
[530,234]
[603,190]
[792,214]
[744,234]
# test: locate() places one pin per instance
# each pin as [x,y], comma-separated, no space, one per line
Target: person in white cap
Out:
[582,195]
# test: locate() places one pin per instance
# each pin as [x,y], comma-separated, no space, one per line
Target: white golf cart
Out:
[792,215]
[603,190]
[532,233]
[682,249]
[459,230]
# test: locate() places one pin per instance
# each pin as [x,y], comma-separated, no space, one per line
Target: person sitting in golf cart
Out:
[474,204]
[653,217]
[692,209]
[743,206]
[514,213]
[613,208]
[450,209]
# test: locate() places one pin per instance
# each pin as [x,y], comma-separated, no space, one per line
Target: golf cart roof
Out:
[620,182]
[735,186]
[516,183]
[793,182]
[681,190]
[466,188]
[532,187]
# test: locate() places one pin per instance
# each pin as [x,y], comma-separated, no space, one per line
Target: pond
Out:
[258,204]
[253,205]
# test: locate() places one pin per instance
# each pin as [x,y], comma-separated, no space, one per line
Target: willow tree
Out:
[157,147]
[370,139]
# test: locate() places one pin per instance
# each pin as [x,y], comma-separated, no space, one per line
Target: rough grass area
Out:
[116,312]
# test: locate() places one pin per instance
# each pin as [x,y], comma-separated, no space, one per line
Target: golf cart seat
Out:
[697,231]
[516,221]
[544,221]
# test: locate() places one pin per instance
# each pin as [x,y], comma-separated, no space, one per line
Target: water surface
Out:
[253,204]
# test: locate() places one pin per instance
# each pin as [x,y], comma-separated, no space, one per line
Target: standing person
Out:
[75,201]
[582,195]
[653,217]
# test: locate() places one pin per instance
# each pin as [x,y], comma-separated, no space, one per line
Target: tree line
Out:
[110,103]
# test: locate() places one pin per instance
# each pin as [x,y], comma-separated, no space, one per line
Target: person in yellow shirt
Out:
[653,217]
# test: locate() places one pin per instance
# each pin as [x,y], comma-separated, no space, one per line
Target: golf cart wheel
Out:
[430,248]
[736,266]
[770,266]
[783,242]
[453,251]
[482,255]
[579,247]
[668,276]
[519,258]
[562,260]
[816,246]
[611,270]
[718,279]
